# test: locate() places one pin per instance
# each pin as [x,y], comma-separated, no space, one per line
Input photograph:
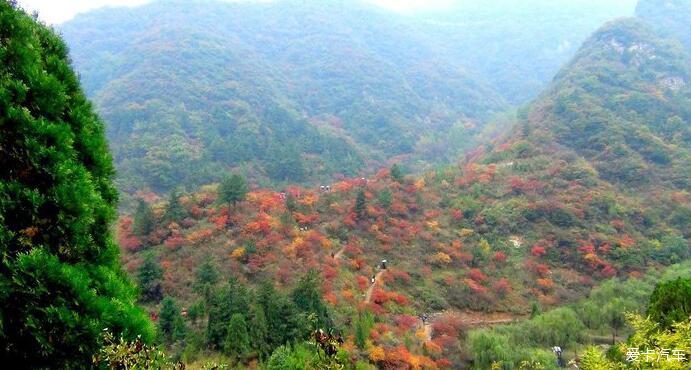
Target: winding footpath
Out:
[368,295]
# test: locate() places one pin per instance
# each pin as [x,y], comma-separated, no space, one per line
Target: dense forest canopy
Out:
[297,91]
[61,283]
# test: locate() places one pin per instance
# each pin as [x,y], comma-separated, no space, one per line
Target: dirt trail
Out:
[368,295]
[339,254]
[428,331]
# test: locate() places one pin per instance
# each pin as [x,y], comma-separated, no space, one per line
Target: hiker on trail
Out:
[557,351]
[333,255]
[383,264]
[372,279]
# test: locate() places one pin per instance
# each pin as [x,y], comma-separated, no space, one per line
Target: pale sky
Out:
[58,11]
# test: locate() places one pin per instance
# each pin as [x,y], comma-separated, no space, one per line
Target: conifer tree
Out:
[175,212]
[171,326]
[360,205]
[60,279]
[396,173]
[233,189]
[237,341]
[144,220]
[149,277]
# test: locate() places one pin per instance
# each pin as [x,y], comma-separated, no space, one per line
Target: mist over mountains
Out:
[299,91]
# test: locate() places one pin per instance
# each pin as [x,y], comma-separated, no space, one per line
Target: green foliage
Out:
[360,202]
[396,173]
[149,278]
[670,302]
[233,189]
[237,340]
[60,281]
[171,326]
[175,211]
[307,297]
[144,220]
[121,354]
[363,324]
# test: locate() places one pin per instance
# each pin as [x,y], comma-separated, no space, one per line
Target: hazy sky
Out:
[58,11]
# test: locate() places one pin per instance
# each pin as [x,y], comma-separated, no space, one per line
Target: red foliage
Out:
[501,287]
[608,271]
[477,275]
[379,296]
[130,243]
[499,257]
[542,269]
[538,251]
[362,282]
[174,242]
[586,249]
[406,322]
[457,214]
[474,286]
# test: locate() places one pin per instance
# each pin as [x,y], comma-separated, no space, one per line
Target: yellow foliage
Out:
[376,354]
[484,245]
[238,253]
[465,232]
[420,184]
[433,225]
[441,258]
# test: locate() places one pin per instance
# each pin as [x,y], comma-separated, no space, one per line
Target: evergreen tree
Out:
[237,341]
[308,298]
[60,280]
[174,212]
[670,302]
[259,331]
[396,173]
[235,298]
[171,326]
[360,205]
[144,220]
[233,189]
[207,274]
[149,277]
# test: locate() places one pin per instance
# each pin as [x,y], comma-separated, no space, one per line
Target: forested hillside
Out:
[298,91]
[591,184]
[61,282]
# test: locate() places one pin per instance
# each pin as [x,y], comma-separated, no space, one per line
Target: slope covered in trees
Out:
[61,283]
[294,91]
[591,184]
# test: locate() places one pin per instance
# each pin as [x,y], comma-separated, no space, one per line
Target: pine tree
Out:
[237,341]
[396,173]
[60,279]
[144,220]
[149,277]
[259,331]
[175,212]
[360,205]
[308,298]
[233,189]
[171,326]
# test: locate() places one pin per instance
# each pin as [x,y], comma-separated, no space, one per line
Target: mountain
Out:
[591,184]
[297,91]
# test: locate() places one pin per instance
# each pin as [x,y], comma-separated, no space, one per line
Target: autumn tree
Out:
[144,220]
[233,189]
[149,277]
[60,278]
